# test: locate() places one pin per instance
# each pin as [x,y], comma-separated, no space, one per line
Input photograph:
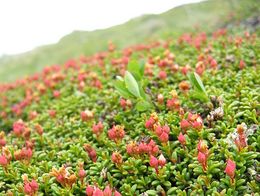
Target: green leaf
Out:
[131,84]
[142,93]
[141,68]
[171,191]
[196,82]
[137,69]
[151,192]
[122,90]
[143,105]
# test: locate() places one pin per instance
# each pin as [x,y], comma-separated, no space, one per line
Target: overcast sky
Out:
[26,24]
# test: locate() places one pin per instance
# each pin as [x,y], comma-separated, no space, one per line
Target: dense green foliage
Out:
[186,143]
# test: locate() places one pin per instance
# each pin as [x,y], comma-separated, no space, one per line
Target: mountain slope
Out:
[208,15]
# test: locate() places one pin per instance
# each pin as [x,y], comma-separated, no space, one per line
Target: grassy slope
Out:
[210,15]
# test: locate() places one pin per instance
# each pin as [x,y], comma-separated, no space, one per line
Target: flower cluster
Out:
[193,121]
[30,187]
[117,158]
[91,152]
[23,154]
[86,115]
[203,154]
[156,163]
[63,176]
[98,128]
[95,191]
[116,133]
[241,138]
[81,172]
[134,148]
[162,133]
[125,103]
[21,130]
[173,103]
[6,157]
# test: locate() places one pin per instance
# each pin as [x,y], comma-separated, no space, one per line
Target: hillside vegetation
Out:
[206,16]
[179,116]
[175,117]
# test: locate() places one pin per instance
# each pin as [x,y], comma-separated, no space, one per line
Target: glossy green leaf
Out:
[131,84]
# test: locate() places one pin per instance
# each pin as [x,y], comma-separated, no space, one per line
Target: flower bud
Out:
[230,168]
[117,158]
[153,162]
[160,98]
[116,193]
[3,161]
[162,75]
[182,139]
[184,124]
[107,191]
[89,190]
[161,160]
[34,185]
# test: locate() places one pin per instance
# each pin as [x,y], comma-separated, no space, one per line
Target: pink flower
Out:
[107,191]
[116,133]
[149,123]
[91,152]
[198,123]
[2,142]
[34,185]
[56,94]
[184,124]
[202,160]
[242,64]
[158,131]
[86,115]
[82,173]
[52,113]
[213,63]
[3,161]
[202,147]
[173,104]
[153,162]
[116,193]
[98,192]
[123,103]
[182,139]
[230,168]
[89,190]
[30,188]
[162,75]
[164,137]
[27,189]
[166,129]
[117,158]
[97,128]
[161,160]
[160,99]
[19,127]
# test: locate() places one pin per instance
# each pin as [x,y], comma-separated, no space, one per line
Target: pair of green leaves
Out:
[131,86]
[199,91]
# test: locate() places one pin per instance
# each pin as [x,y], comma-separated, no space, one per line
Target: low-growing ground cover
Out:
[181,120]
